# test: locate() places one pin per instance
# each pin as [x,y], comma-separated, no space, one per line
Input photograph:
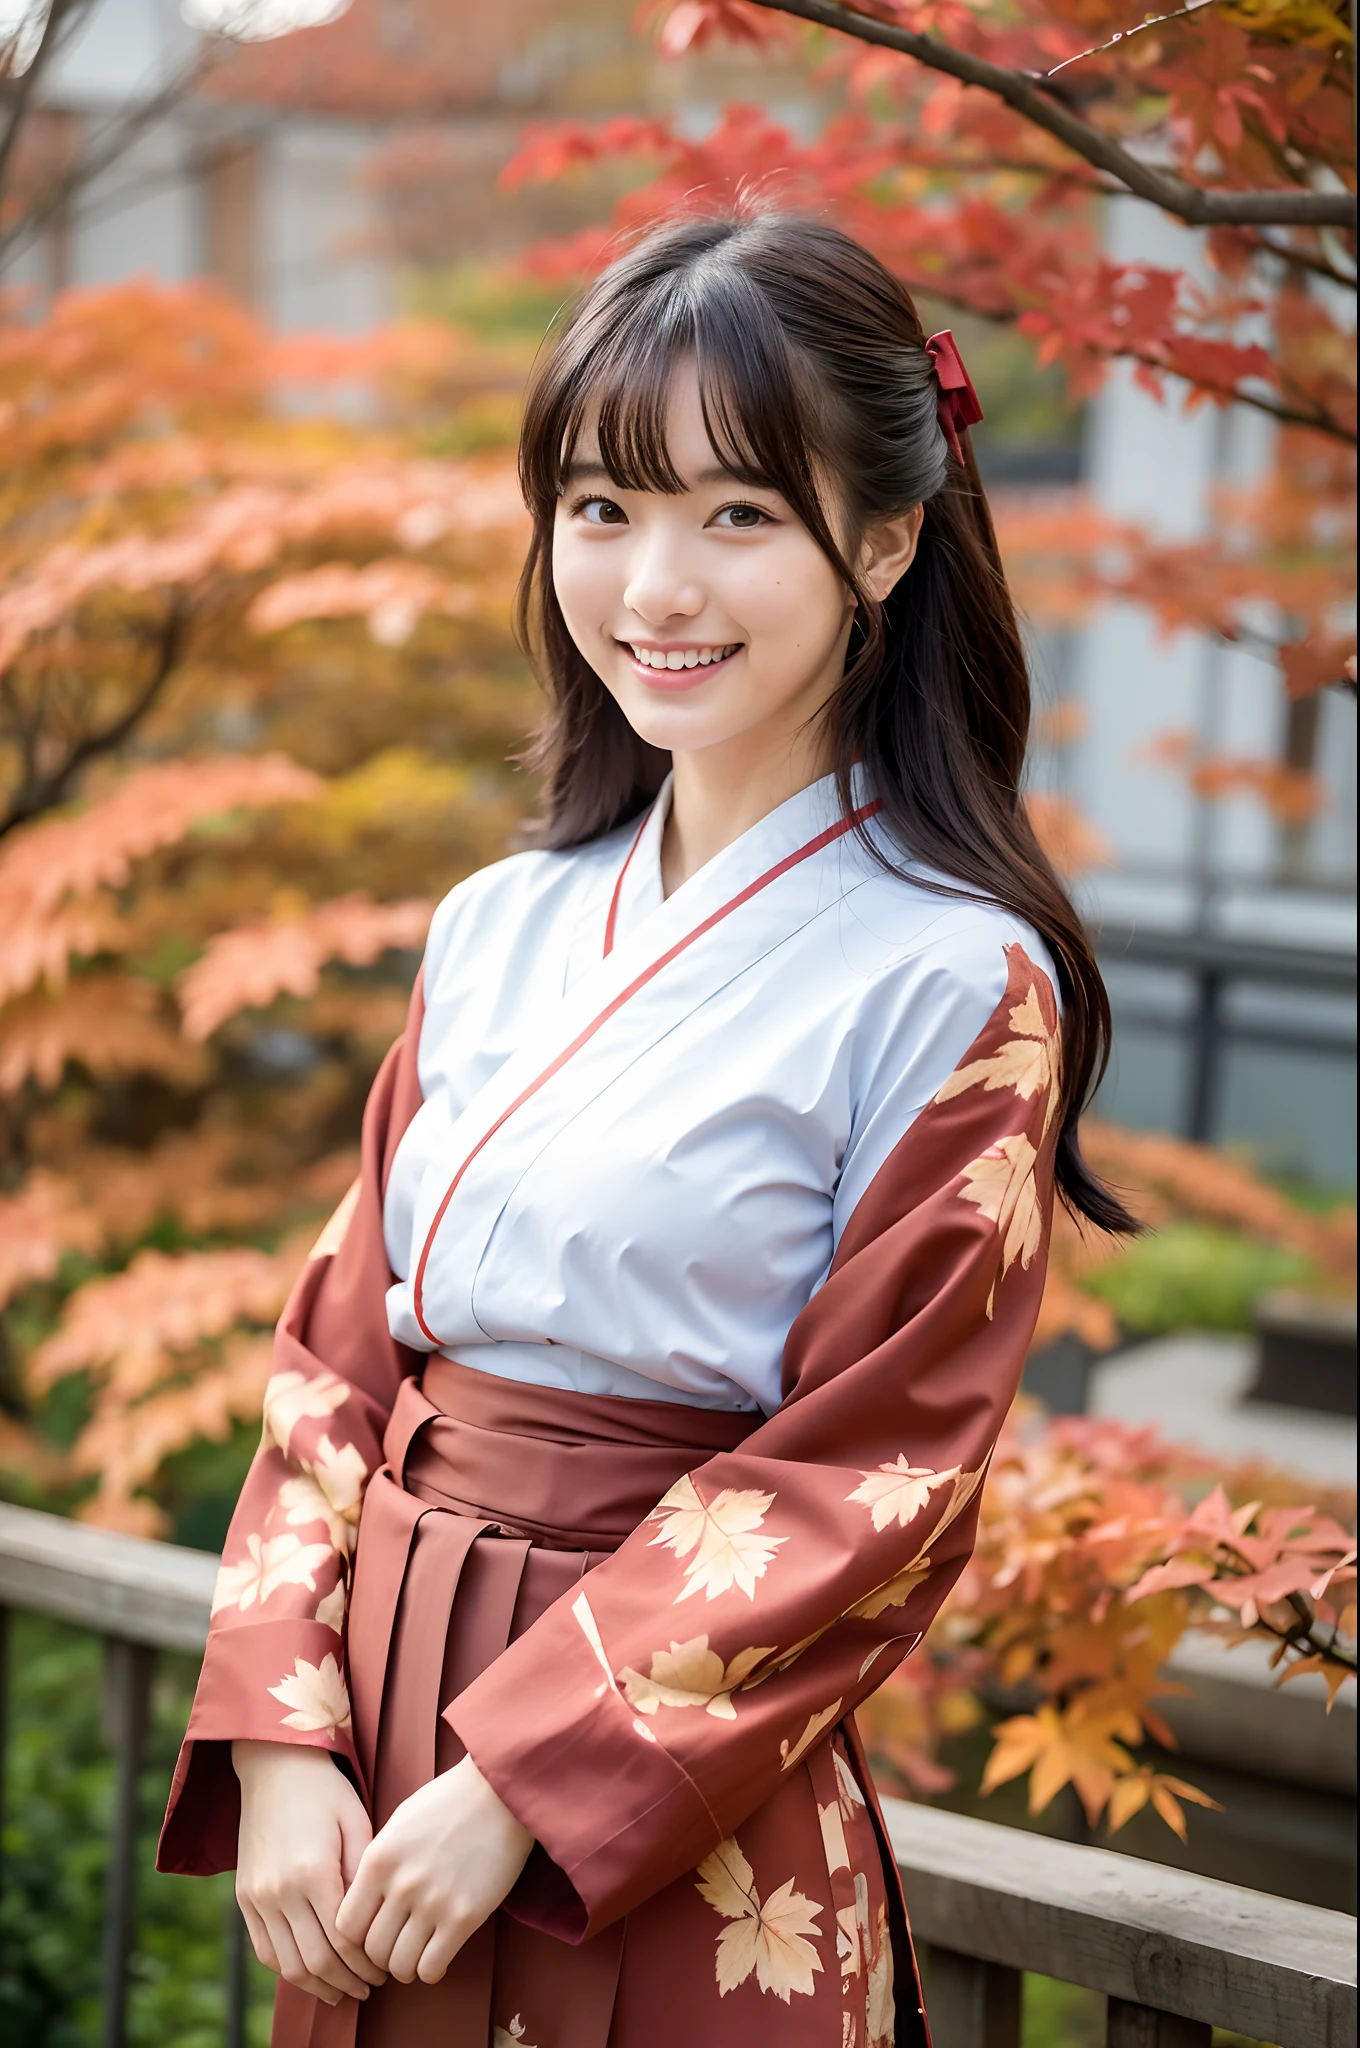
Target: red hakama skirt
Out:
[495,1500]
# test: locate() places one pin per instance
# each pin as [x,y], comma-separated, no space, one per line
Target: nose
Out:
[660,587]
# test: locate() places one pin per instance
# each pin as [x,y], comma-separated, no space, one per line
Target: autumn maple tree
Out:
[257,688]
[979,150]
[1099,1547]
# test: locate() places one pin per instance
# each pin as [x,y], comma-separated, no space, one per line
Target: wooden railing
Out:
[1175,1955]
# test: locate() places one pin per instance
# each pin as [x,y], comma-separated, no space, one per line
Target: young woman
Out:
[656,1358]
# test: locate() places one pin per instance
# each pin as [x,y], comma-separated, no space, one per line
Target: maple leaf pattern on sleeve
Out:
[294,1397]
[317,1695]
[721,1533]
[690,1675]
[1002,1180]
[899,1491]
[268,1564]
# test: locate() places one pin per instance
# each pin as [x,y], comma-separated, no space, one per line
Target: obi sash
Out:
[496,1497]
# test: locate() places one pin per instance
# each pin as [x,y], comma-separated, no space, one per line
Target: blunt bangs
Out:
[765,423]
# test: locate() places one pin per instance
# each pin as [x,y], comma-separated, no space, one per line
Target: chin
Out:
[677,735]
[674,725]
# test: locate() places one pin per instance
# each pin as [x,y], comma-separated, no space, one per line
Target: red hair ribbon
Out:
[957,406]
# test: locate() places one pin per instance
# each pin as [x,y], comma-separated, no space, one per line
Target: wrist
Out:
[253,1760]
[489,1802]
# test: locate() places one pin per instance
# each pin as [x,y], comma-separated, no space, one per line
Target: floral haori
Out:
[666,1699]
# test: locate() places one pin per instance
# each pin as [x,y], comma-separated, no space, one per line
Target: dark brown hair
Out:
[811,364]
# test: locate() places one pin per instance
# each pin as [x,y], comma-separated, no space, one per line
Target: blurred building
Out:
[1229,937]
[268,201]
[303,173]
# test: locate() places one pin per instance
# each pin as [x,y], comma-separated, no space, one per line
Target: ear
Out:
[888,550]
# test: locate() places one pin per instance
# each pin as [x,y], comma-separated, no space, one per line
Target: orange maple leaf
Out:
[93,849]
[107,1023]
[1059,1746]
[251,966]
[164,1303]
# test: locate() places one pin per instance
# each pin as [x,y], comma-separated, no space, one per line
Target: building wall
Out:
[1229,869]
[273,206]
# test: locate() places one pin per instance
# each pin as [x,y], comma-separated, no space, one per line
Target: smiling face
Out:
[711,614]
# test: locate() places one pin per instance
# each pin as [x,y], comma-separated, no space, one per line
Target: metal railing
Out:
[1215,965]
[1174,1954]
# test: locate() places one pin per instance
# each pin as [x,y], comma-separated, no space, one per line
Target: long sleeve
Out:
[274,1667]
[648,1713]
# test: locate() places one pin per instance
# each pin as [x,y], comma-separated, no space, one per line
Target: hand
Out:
[303,1832]
[428,1880]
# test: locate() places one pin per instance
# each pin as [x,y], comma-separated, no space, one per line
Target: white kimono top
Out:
[688,1097]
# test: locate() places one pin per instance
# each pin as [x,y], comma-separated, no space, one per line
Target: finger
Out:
[291,1966]
[381,1937]
[326,1896]
[318,1955]
[409,1947]
[440,1951]
[355,1913]
[259,1935]
[356,1832]
[354,1956]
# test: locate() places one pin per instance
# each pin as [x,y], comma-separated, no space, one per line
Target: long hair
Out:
[813,374]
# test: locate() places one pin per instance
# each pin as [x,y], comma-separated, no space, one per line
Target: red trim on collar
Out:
[613,916]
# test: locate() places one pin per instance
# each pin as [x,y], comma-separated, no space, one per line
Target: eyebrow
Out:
[583,472]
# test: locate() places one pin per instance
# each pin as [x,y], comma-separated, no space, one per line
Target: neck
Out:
[721,792]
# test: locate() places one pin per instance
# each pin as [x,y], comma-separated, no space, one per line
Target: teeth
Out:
[688,657]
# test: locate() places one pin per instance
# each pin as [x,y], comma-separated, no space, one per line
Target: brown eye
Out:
[603,512]
[741,518]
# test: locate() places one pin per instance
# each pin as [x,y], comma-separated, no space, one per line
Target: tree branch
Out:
[118,138]
[1304,259]
[61,16]
[1124,34]
[36,795]
[1313,417]
[1300,1634]
[1287,415]
[1026,94]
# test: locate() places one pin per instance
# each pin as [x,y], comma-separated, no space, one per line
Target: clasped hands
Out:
[334,1908]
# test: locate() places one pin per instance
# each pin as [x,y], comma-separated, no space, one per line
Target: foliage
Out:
[59,1797]
[1099,1546]
[1080,1519]
[1189,1277]
[257,689]
[1223,1237]
[980,209]
[973,202]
